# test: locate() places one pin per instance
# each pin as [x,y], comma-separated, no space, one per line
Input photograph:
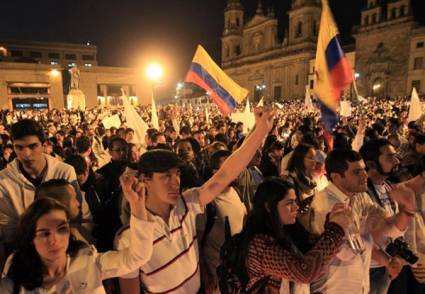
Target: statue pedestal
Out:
[76,99]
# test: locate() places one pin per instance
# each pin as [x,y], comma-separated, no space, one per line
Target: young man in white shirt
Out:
[348,271]
[174,266]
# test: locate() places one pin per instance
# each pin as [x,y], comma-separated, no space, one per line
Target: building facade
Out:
[36,75]
[253,56]
[387,57]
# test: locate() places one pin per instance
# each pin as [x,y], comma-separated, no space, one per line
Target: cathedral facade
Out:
[387,54]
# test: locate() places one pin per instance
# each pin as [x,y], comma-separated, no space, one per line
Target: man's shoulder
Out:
[55,163]
[10,171]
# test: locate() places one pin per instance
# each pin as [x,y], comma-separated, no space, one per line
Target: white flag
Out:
[248,107]
[415,110]
[134,121]
[154,116]
[345,109]
[246,117]
[261,103]
[307,101]
[111,121]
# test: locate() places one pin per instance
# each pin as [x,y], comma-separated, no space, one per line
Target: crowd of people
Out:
[89,209]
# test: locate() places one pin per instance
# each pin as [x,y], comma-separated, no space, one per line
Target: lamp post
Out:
[154,73]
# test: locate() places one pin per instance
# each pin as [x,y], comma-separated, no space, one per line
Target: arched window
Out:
[299,31]
[314,28]
[374,18]
[393,13]
[366,20]
[237,22]
[237,50]
[402,10]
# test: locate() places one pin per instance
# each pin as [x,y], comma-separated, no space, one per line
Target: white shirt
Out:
[174,265]
[348,273]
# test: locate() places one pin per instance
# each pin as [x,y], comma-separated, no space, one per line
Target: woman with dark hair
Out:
[300,173]
[48,259]
[270,161]
[280,256]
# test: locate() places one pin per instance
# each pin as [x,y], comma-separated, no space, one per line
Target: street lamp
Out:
[54,73]
[154,72]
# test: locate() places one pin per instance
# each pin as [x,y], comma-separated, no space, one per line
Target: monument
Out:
[75,98]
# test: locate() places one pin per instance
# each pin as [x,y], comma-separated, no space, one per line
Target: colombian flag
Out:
[333,72]
[205,73]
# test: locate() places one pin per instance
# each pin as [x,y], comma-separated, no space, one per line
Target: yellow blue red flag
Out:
[333,72]
[205,73]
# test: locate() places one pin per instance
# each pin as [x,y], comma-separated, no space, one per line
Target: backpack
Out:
[232,274]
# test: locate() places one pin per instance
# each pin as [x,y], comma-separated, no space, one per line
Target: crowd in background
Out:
[300,249]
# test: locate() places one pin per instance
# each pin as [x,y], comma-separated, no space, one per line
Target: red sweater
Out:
[267,258]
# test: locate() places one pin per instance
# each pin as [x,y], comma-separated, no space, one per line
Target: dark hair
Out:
[371,150]
[310,138]
[150,132]
[154,137]
[27,268]
[100,130]
[419,139]
[420,167]
[270,139]
[296,162]
[115,139]
[78,162]
[265,218]
[337,160]
[83,144]
[276,145]
[185,130]
[128,130]
[27,127]
[220,137]
[216,156]
[54,188]
[158,160]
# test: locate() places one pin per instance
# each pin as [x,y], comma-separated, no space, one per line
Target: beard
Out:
[392,172]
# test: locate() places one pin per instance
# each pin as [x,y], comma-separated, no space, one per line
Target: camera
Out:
[400,248]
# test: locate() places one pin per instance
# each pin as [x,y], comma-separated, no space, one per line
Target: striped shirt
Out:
[174,265]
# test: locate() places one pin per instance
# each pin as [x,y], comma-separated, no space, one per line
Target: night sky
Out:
[134,32]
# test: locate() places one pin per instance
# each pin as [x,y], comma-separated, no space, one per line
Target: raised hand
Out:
[135,193]
[264,117]
[404,196]
[341,215]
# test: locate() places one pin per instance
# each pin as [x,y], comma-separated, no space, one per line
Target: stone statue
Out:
[75,78]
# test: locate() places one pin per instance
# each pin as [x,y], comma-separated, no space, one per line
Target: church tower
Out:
[231,41]
[304,21]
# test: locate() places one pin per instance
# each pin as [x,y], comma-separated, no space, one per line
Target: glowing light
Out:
[179,86]
[154,72]
[357,75]
[54,73]
[376,87]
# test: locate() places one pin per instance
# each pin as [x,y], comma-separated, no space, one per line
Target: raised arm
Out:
[393,226]
[122,262]
[235,164]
